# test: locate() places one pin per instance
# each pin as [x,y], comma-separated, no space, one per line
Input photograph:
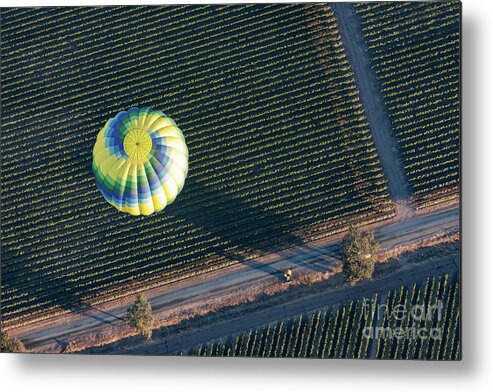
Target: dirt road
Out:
[175,342]
[318,256]
[372,99]
[265,272]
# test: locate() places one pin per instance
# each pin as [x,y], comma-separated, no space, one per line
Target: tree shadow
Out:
[235,228]
[231,226]
[315,258]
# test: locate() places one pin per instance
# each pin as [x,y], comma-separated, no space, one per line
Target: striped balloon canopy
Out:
[140,161]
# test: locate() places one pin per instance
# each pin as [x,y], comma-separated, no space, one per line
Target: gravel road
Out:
[372,99]
[316,256]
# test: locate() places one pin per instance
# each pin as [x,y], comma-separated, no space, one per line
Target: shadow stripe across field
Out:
[280,150]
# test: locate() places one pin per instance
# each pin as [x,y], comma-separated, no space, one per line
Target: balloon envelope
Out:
[140,161]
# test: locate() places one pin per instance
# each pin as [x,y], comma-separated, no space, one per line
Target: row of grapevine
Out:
[280,150]
[415,51]
[351,330]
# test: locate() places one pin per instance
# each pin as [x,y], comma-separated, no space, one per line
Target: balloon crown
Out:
[140,161]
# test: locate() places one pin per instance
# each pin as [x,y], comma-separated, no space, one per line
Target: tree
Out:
[139,316]
[10,344]
[359,254]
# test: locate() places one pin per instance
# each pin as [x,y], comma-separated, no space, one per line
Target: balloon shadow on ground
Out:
[232,225]
[237,229]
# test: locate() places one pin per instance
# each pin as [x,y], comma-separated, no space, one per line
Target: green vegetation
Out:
[10,344]
[280,150]
[139,316]
[415,52]
[359,253]
[351,330]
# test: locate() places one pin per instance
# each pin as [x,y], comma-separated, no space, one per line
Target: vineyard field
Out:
[415,51]
[280,150]
[352,330]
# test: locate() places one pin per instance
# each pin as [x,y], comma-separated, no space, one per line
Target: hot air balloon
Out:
[140,161]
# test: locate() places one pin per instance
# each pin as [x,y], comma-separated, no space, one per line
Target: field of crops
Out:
[346,332]
[280,150]
[415,52]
